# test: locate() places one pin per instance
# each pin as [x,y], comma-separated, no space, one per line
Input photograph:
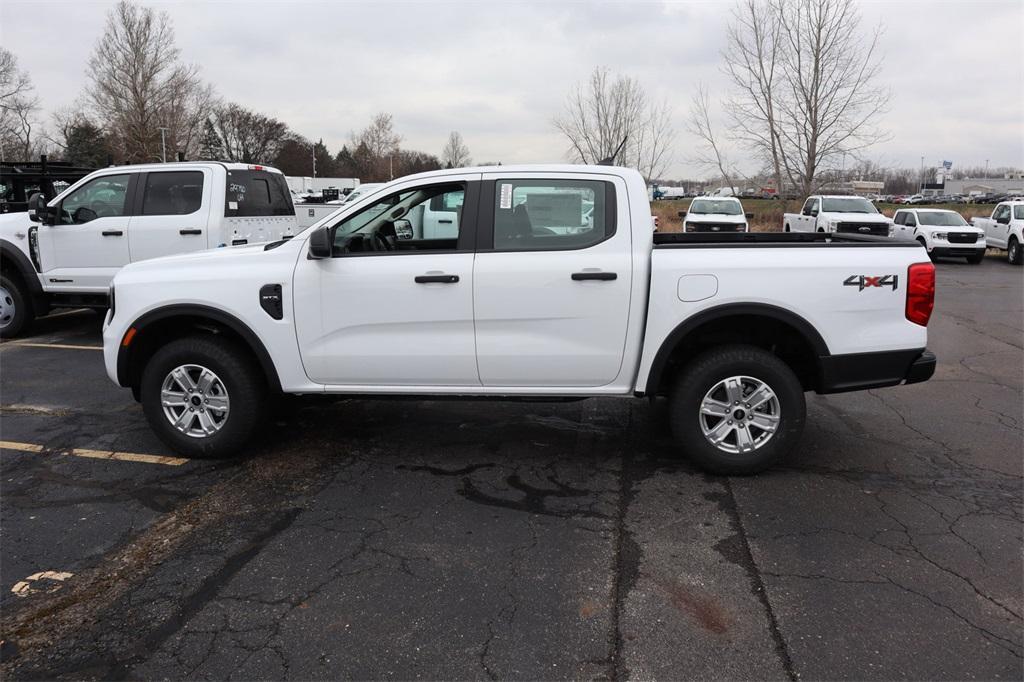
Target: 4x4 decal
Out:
[865,281]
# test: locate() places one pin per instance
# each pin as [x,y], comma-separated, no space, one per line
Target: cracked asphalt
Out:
[444,539]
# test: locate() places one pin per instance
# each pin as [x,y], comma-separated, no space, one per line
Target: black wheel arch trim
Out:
[668,346]
[202,311]
[23,266]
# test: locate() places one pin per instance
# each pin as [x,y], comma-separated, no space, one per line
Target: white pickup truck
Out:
[839,215]
[715,214]
[125,214]
[507,303]
[1003,229]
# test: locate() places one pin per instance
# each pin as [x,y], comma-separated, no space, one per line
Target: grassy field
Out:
[768,212]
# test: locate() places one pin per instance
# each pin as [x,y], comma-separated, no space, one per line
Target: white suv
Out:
[941,232]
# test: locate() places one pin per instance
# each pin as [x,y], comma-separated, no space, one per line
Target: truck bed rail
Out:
[747,239]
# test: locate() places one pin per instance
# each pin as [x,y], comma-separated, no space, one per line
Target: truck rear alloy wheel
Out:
[195,401]
[739,414]
[737,409]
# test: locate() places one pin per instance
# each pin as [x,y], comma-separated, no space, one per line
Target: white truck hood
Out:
[856,217]
[715,218]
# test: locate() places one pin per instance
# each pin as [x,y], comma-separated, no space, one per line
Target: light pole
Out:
[313,152]
[986,168]
[922,174]
[163,143]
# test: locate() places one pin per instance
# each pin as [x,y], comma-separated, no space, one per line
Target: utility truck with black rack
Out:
[548,285]
[65,251]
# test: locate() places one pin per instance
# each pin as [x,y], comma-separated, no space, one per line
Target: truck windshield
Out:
[256,193]
[847,205]
[721,206]
[941,218]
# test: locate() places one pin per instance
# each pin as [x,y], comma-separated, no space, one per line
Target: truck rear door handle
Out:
[601,276]
[112,233]
[445,222]
[441,279]
[192,231]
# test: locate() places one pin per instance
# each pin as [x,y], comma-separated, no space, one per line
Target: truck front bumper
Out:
[958,250]
[859,371]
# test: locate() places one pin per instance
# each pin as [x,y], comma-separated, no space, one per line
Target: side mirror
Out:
[748,215]
[320,245]
[403,229]
[814,212]
[682,214]
[36,207]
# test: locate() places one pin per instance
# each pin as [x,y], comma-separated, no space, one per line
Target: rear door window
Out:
[547,215]
[173,193]
[256,193]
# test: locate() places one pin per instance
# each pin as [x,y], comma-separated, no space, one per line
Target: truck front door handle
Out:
[601,276]
[192,231]
[112,233]
[440,279]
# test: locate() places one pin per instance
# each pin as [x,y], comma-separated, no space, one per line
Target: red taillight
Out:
[920,293]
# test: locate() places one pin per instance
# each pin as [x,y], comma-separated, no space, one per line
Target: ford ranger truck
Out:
[1003,229]
[845,215]
[66,251]
[549,284]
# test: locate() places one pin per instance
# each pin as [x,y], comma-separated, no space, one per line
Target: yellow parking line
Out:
[26,344]
[94,454]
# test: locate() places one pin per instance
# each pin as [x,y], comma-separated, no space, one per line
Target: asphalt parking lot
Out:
[443,539]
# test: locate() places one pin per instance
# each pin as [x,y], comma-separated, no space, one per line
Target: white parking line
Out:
[93,454]
[67,346]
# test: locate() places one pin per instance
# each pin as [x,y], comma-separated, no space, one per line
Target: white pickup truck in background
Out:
[839,215]
[549,284]
[1003,230]
[65,252]
[715,214]
[943,233]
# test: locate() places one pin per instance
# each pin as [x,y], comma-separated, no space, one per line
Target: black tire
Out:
[821,229]
[976,259]
[787,228]
[16,311]
[245,386]
[1013,254]
[697,378]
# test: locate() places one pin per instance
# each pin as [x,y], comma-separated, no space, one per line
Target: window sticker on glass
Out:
[506,195]
[233,205]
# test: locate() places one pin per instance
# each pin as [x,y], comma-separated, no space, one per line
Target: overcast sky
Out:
[499,71]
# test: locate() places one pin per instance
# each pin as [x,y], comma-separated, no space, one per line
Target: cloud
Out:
[499,72]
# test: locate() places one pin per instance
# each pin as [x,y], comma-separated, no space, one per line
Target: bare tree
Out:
[711,153]
[753,63]
[805,85]
[377,145]
[138,85]
[611,118]
[455,153]
[19,106]
[243,135]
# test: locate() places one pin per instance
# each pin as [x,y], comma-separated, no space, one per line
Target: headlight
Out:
[938,235]
[742,227]
[832,225]
[688,227]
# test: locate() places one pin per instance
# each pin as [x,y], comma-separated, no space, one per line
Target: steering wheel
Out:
[381,243]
